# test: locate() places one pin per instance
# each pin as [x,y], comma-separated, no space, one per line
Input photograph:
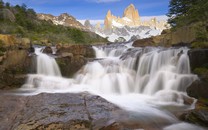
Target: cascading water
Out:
[46,66]
[150,81]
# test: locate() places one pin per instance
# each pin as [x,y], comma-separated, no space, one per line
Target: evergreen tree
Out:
[179,10]
[1,4]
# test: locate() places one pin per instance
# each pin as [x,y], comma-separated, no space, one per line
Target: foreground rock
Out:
[56,111]
[69,111]
[199,115]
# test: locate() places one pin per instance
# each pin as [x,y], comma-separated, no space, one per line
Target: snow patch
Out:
[145,33]
[116,24]
[127,19]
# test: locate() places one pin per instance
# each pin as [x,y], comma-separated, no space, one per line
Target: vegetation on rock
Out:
[192,13]
[23,22]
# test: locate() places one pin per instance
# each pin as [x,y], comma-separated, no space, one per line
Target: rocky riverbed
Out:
[83,110]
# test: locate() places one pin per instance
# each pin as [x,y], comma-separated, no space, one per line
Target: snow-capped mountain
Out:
[126,33]
[128,27]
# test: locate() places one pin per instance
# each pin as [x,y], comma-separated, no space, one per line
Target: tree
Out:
[1,4]
[24,7]
[193,13]
[178,11]
[7,5]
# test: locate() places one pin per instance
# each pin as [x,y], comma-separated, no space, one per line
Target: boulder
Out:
[70,64]
[15,67]
[198,116]
[72,58]
[84,50]
[48,50]
[198,58]
[144,42]
[198,89]
[55,111]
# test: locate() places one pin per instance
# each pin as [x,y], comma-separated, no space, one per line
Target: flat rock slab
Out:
[56,111]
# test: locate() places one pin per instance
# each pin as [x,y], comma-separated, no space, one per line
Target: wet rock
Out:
[198,89]
[196,116]
[72,58]
[48,50]
[55,111]
[70,64]
[31,49]
[198,58]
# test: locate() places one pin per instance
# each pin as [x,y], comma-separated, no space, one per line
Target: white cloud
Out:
[103,1]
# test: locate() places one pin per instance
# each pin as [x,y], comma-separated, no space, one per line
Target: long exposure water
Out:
[148,82]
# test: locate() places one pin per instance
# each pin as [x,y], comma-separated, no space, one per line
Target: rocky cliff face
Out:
[63,19]
[128,26]
[132,13]
[130,18]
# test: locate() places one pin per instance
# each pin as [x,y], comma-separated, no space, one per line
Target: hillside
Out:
[23,22]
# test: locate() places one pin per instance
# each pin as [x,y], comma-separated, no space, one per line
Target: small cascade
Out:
[46,65]
[151,82]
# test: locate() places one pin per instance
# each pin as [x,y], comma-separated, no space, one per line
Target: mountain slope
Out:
[23,22]
[63,19]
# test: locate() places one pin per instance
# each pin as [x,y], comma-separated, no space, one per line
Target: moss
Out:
[60,62]
[202,103]
[202,72]
[2,48]
[199,44]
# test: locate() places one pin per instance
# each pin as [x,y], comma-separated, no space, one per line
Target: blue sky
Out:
[94,9]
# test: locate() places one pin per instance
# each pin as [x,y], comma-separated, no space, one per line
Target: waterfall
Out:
[149,81]
[46,66]
[147,70]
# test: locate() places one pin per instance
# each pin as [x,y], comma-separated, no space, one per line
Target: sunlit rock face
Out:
[130,18]
[129,25]
[132,13]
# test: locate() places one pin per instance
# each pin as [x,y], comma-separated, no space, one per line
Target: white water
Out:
[46,66]
[150,82]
